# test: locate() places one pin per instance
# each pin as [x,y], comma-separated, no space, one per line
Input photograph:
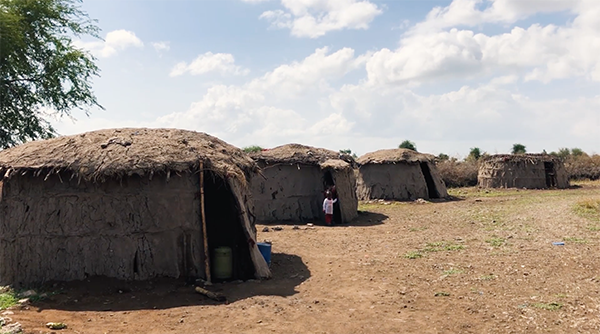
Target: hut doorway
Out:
[550,174]
[431,189]
[224,228]
[328,183]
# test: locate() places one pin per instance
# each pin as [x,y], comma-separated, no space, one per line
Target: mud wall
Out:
[440,186]
[288,193]
[345,185]
[401,181]
[133,229]
[519,174]
[294,193]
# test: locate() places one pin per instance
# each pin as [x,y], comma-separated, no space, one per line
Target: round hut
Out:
[130,204]
[532,171]
[398,174]
[295,178]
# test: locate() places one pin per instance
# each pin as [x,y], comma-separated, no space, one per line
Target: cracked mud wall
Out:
[133,229]
[400,181]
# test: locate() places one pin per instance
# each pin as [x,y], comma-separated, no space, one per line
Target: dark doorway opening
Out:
[224,228]
[550,174]
[329,184]
[431,189]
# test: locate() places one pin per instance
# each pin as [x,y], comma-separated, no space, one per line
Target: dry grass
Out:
[458,173]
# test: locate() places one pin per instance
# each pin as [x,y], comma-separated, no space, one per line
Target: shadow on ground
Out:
[106,294]
[365,218]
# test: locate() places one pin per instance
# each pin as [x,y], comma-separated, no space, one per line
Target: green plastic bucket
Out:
[222,263]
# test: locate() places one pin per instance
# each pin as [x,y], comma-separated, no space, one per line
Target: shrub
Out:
[583,166]
[408,145]
[252,149]
[458,173]
[519,149]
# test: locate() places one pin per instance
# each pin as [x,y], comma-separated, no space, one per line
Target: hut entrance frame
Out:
[224,226]
[431,189]
[550,174]
[328,181]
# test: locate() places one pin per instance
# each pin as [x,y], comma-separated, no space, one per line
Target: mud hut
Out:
[532,171]
[130,204]
[398,174]
[294,180]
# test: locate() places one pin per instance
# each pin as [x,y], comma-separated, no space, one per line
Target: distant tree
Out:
[562,153]
[408,145]
[252,149]
[443,157]
[474,154]
[42,73]
[519,149]
[349,152]
[576,152]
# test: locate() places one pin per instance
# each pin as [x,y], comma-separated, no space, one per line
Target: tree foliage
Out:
[252,149]
[42,73]
[349,152]
[518,149]
[408,145]
[474,154]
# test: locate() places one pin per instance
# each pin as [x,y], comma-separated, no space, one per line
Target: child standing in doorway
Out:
[328,208]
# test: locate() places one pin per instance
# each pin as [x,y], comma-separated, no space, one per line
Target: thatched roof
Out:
[396,155]
[108,153]
[519,158]
[301,154]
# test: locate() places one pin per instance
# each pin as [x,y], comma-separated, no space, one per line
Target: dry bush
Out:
[583,167]
[458,173]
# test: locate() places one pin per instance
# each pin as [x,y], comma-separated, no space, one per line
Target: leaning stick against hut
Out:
[204,232]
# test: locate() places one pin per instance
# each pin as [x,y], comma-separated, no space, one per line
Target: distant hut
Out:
[398,174]
[532,171]
[126,204]
[294,182]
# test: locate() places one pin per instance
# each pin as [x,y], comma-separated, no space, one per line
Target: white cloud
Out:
[115,41]
[161,46]
[255,1]
[315,18]
[223,63]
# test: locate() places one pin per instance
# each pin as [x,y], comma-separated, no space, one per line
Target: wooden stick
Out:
[212,295]
[204,232]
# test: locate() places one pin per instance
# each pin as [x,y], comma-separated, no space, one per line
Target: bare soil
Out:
[482,263]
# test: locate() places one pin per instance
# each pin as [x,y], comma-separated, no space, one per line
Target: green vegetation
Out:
[413,255]
[474,154]
[8,299]
[548,306]
[453,272]
[408,145]
[575,240]
[518,149]
[252,149]
[496,242]
[442,294]
[589,209]
[349,152]
[488,277]
[42,73]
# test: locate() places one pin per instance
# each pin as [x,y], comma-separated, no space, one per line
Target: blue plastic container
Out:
[265,250]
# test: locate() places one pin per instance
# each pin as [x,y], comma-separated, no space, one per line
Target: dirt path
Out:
[484,264]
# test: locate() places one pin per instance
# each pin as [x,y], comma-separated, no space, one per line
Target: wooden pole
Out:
[204,232]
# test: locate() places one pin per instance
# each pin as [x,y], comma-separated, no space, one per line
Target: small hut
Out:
[532,171]
[294,180]
[130,204]
[398,174]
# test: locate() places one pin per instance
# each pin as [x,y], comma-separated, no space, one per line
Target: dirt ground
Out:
[482,263]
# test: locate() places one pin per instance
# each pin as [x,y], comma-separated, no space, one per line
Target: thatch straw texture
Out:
[299,154]
[388,156]
[111,153]
[87,205]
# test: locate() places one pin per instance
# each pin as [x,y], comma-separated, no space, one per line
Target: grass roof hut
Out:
[398,174]
[127,204]
[295,178]
[532,171]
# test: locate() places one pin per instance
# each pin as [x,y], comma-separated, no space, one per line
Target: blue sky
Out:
[358,74]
